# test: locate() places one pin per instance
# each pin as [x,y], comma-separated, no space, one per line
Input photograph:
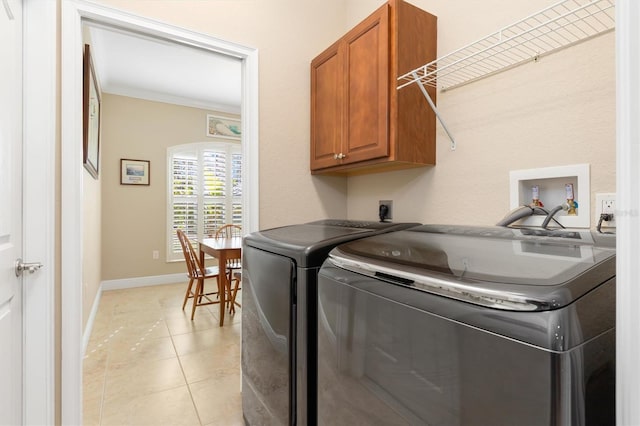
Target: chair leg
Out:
[232,308]
[228,293]
[197,297]
[187,294]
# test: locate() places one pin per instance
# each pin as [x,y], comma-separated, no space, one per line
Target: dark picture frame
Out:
[91,103]
[135,172]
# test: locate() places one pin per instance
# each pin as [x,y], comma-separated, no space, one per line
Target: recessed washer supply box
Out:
[551,183]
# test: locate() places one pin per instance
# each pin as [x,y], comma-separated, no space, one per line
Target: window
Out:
[204,191]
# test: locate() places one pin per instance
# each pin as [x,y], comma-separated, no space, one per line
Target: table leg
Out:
[222,279]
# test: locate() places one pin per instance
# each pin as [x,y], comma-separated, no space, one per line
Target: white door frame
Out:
[39,183]
[73,13]
[627,212]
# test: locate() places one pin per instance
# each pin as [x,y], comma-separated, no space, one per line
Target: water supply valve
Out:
[535,197]
[570,200]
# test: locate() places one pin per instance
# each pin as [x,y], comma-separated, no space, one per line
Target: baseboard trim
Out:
[143,281]
[92,316]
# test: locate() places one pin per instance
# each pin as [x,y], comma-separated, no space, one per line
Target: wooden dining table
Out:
[222,249]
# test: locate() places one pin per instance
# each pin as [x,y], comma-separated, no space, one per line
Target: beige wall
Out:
[91,242]
[558,111]
[134,217]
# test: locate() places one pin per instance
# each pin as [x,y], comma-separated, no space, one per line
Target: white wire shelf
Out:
[561,25]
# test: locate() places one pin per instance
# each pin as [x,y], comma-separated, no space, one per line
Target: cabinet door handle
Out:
[340,156]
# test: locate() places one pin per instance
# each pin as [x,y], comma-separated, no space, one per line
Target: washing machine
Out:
[461,325]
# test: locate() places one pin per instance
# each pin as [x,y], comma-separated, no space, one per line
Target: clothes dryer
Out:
[279,311]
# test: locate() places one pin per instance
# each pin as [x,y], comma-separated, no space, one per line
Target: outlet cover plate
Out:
[389,204]
[602,200]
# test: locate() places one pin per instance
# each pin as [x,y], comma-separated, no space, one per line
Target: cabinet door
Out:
[367,89]
[327,94]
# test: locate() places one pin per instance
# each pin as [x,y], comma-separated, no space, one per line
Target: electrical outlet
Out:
[388,215]
[606,204]
[156,255]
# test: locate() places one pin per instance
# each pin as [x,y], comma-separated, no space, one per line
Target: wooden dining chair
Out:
[229,231]
[233,267]
[197,273]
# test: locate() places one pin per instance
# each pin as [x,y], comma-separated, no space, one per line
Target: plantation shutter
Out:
[205,191]
[214,191]
[236,189]
[184,191]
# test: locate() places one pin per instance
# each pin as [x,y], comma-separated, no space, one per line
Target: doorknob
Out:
[27,266]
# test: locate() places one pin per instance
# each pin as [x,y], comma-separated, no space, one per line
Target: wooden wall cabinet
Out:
[360,122]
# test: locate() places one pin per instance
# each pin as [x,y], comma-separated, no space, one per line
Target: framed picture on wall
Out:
[223,127]
[91,115]
[134,172]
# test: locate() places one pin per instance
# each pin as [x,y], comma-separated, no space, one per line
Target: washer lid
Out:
[505,268]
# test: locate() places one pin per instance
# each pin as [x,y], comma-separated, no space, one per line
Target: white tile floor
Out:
[147,363]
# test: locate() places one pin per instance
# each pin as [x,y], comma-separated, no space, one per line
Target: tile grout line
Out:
[193,402]
[104,372]
[107,364]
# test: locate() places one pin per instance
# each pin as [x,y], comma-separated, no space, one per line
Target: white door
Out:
[10,211]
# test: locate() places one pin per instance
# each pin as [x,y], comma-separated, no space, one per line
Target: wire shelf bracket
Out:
[435,110]
[556,27]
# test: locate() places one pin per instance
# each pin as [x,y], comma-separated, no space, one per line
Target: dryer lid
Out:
[309,243]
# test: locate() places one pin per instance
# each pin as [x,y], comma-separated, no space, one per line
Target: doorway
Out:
[74,15]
